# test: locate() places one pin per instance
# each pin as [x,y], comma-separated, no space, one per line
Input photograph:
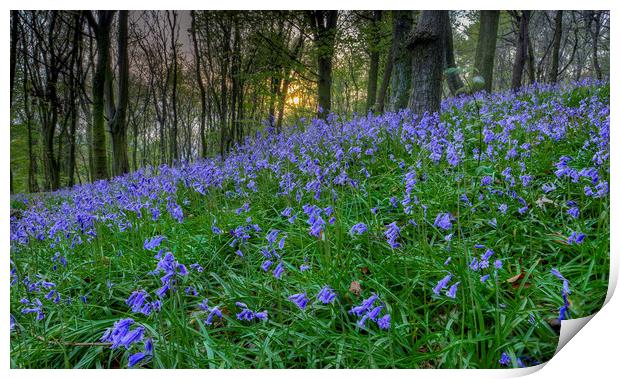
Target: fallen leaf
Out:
[515,278]
[541,202]
[516,281]
[365,270]
[355,288]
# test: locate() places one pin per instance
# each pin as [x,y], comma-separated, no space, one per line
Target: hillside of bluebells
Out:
[389,241]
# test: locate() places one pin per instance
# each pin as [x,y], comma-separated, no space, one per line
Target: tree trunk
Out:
[530,60]
[201,88]
[426,43]
[557,41]
[373,71]
[401,72]
[14,40]
[224,91]
[118,120]
[174,145]
[594,17]
[102,35]
[453,78]
[523,20]
[485,48]
[385,82]
[324,28]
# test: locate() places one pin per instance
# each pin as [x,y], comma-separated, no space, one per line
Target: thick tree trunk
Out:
[426,43]
[118,122]
[102,35]
[523,20]
[385,82]
[324,28]
[557,42]
[485,48]
[373,71]
[453,78]
[595,17]
[50,112]
[401,72]
[201,88]
[530,61]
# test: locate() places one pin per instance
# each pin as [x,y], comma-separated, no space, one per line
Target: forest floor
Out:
[380,241]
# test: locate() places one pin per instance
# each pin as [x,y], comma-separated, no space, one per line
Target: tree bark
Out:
[522,20]
[373,71]
[101,27]
[174,131]
[401,72]
[530,61]
[385,82]
[455,84]
[324,30]
[201,88]
[557,41]
[485,48]
[118,120]
[427,48]
[14,41]
[594,17]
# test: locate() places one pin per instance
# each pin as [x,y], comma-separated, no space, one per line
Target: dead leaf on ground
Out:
[516,281]
[541,202]
[355,288]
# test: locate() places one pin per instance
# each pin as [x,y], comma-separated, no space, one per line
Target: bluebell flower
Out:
[266,264]
[443,221]
[365,306]
[136,358]
[272,236]
[452,291]
[576,238]
[136,300]
[503,208]
[573,212]
[359,229]
[384,322]
[374,313]
[281,243]
[443,283]
[326,295]
[215,311]
[486,180]
[300,299]
[277,273]
[196,266]
[505,360]
[484,278]
[548,187]
[37,307]
[153,243]
[392,233]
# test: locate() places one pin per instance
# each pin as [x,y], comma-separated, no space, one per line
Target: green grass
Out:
[427,331]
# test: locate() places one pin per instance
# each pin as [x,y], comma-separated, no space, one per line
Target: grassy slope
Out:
[427,331]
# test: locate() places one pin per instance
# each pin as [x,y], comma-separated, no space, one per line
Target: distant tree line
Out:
[95,94]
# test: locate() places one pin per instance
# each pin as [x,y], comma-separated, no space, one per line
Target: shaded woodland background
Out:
[95,94]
